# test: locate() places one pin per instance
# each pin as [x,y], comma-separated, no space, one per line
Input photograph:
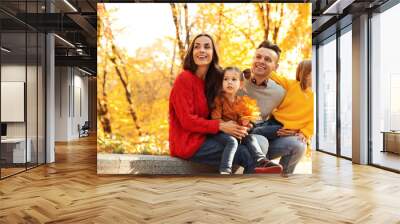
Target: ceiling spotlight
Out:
[71,6]
[79,51]
[65,41]
[337,7]
[5,50]
[84,71]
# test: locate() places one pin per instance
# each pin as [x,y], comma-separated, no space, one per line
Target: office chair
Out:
[84,130]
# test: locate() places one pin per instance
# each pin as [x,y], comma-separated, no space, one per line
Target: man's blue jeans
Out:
[210,152]
[289,148]
[267,129]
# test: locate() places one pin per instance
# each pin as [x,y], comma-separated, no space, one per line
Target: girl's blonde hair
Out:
[303,69]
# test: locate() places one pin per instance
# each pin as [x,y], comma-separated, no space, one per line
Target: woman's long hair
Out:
[303,69]
[213,79]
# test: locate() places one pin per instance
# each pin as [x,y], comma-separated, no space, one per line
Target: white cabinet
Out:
[391,142]
[15,148]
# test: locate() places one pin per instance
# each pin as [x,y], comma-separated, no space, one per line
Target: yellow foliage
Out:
[249,109]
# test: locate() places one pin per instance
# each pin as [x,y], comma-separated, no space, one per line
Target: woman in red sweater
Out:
[191,99]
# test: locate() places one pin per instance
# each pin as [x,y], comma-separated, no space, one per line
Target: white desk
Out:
[18,150]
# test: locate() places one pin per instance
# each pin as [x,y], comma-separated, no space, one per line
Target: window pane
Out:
[385,86]
[346,94]
[327,96]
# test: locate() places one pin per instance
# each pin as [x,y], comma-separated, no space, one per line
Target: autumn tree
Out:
[102,100]
[115,56]
[270,17]
[289,26]
[180,16]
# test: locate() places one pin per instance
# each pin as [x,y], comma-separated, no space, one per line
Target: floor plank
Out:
[70,191]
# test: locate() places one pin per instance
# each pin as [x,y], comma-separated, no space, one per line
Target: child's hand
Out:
[244,122]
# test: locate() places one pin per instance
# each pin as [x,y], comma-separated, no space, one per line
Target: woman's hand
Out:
[232,128]
[286,132]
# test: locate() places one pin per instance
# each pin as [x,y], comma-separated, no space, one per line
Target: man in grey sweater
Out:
[269,95]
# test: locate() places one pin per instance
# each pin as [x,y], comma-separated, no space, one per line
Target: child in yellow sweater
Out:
[295,114]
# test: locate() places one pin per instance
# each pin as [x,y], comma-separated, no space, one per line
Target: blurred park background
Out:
[141,48]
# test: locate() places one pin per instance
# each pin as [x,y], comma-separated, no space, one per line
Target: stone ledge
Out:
[157,165]
[149,165]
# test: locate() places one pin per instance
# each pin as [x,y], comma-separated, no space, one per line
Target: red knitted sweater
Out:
[188,116]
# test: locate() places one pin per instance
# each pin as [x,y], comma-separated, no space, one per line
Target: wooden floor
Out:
[5,172]
[70,191]
[10,171]
[387,159]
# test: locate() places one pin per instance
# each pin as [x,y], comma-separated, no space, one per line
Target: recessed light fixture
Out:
[337,7]
[5,50]
[71,6]
[80,51]
[64,40]
[84,71]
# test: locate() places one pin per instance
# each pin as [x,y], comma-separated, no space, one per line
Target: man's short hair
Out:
[268,44]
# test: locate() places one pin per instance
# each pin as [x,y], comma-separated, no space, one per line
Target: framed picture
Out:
[162,66]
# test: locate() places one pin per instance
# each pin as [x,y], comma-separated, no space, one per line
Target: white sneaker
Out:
[224,173]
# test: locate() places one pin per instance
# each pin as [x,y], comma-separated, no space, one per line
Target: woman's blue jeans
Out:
[210,152]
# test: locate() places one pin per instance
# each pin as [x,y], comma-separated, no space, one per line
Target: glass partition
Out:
[22,77]
[31,100]
[41,109]
[14,152]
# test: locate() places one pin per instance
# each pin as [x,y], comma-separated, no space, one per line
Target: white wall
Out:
[80,110]
[61,103]
[71,94]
